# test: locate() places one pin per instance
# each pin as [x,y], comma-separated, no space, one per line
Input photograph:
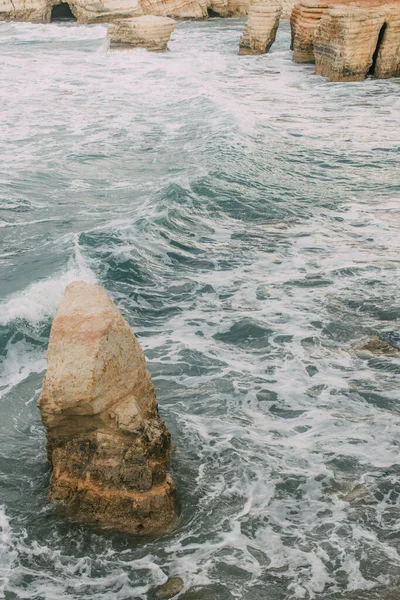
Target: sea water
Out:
[243,213]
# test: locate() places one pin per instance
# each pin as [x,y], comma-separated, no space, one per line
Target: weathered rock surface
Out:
[148,32]
[105,11]
[305,18]
[387,62]
[348,34]
[109,11]
[176,9]
[108,447]
[345,41]
[261,27]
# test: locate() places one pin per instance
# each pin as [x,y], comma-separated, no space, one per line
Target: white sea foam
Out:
[39,301]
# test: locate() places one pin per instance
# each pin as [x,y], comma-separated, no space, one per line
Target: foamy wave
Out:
[7,554]
[39,301]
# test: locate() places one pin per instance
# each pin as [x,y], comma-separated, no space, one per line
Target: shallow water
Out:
[244,215]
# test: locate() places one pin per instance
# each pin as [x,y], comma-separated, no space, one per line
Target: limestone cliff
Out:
[261,27]
[108,447]
[148,32]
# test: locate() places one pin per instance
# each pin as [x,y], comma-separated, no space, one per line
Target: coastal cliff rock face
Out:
[387,62]
[345,42]
[176,9]
[351,30]
[105,11]
[261,27]
[108,447]
[148,32]
[109,11]
[305,18]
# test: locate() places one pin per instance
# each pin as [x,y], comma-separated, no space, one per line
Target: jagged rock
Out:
[149,32]
[387,62]
[261,27]
[345,41]
[107,445]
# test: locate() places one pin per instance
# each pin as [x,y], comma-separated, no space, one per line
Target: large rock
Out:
[387,60]
[306,25]
[305,18]
[108,447]
[345,41]
[148,32]
[261,27]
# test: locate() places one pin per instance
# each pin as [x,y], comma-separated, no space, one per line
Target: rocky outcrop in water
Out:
[261,27]
[108,447]
[305,18]
[148,32]
[347,40]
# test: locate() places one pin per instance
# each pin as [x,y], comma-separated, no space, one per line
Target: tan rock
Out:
[108,447]
[387,63]
[305,18]
[176,9]
[345,41]
[148,32]
[261,27]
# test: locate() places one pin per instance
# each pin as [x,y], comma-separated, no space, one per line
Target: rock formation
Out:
[261,27]
[305,18]
[176,9]
[109,11]
[351,38]
[148,32]
[107,445]
[387,60]
[345,41]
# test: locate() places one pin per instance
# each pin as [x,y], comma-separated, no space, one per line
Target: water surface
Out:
[244,215]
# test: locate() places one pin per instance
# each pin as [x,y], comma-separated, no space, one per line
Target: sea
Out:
[244,215]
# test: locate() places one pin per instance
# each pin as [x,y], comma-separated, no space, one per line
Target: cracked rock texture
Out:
[108,447]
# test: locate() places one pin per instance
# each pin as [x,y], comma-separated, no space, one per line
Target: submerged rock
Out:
[148,32]
[261,27]
[378,346]
[169,589]
[108,447]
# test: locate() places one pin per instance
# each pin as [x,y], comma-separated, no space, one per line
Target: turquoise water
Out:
[244,215]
